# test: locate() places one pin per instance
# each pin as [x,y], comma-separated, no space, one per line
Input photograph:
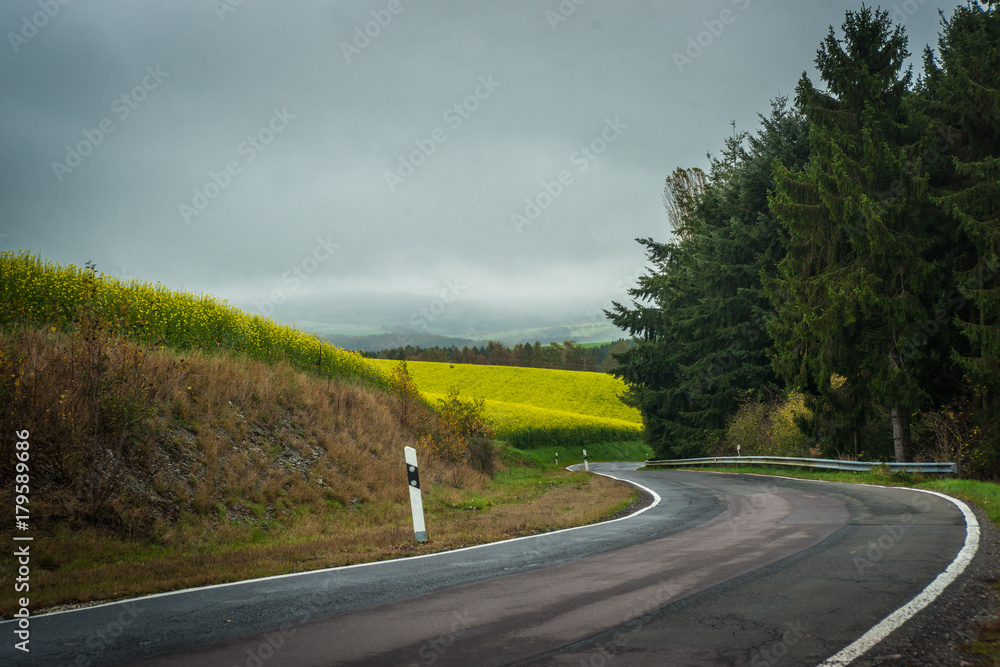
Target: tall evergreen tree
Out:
[962,101]
[700,313]
[652,368]
[859,278]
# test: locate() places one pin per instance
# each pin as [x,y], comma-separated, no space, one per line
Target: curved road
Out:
[722,570]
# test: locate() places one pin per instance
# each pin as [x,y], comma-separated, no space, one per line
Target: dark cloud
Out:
[224,146]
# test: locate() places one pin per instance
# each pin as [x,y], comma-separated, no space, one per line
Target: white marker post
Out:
[416,501]
[586,465]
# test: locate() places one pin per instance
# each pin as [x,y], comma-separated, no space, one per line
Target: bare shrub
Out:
[953,433]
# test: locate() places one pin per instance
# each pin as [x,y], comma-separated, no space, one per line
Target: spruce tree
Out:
[961,102]
[854,284]
[700,314]
[652,367]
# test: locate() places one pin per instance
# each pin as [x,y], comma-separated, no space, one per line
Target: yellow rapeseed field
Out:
[36,293]
[532,407]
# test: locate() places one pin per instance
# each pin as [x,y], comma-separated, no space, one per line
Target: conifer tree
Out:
[964,92]
[961,100]
[700,313]
[857,280]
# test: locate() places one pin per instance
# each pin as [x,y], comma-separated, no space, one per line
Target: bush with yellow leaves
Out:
[768,428]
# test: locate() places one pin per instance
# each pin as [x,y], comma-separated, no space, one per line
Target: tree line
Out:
[569,355]
[847,250]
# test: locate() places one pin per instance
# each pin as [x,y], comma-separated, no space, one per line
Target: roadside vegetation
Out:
[840,264]
[36,293]
[154,469]
[83,563]
[177,442]
[635,450]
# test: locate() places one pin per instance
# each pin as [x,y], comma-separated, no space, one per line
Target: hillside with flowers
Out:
[175,441]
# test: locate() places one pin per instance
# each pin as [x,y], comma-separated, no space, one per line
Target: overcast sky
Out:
[367,156]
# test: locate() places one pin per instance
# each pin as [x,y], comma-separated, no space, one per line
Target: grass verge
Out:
[634,450]
[984,495]
[519,501]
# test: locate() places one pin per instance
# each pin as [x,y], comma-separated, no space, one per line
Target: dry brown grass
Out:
[95,568]
[242,469]
[225,434]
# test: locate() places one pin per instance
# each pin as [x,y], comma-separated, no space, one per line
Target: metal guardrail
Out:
[820,464]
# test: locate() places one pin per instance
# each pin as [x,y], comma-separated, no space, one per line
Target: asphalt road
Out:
[722,570]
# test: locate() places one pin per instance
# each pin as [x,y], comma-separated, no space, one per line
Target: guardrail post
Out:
[416,501]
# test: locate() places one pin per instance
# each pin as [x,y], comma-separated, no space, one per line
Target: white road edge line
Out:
[891,622]
[894,620]
[654,494]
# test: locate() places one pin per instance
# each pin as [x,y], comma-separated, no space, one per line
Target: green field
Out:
[543,457]
[535,407]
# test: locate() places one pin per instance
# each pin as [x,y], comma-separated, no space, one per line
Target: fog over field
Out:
[461,168]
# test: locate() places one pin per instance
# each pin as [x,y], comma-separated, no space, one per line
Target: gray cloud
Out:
[275,124]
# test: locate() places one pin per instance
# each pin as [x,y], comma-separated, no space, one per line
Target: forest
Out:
[568,356]
[843,256]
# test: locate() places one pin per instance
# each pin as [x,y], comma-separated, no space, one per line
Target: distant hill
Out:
[378,342]
[581,333]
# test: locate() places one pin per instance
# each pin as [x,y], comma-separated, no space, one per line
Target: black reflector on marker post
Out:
[416,502]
